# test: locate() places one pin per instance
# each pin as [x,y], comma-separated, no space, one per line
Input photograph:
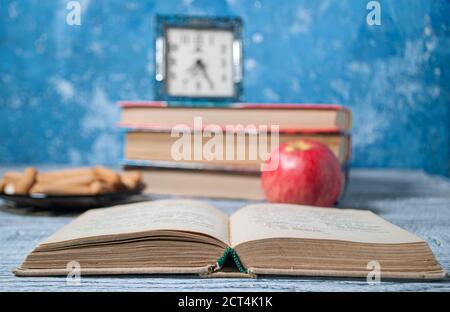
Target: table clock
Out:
[198,58]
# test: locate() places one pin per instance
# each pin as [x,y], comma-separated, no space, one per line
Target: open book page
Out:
[179,215]
[264,221]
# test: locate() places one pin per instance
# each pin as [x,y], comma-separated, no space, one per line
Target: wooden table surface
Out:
[413,200]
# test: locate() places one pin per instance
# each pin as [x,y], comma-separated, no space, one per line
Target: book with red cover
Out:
[307,118]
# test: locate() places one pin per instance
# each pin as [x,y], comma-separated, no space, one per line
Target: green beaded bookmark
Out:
[230,252]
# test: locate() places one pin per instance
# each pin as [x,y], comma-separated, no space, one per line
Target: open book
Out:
[193,237]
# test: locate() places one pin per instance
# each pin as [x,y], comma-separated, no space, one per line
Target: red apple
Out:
[308,173]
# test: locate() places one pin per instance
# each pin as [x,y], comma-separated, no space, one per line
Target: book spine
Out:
[169,165]
[173,165]
[135,127]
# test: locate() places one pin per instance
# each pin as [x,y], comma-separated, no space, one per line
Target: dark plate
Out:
[69,203]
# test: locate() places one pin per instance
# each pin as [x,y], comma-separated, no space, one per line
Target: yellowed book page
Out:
[178,215]
[263,221]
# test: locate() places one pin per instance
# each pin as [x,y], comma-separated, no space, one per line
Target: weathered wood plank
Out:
[410,199]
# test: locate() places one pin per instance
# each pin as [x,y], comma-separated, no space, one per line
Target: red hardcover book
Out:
[294,118]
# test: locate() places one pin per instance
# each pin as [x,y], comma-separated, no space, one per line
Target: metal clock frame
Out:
[197,22]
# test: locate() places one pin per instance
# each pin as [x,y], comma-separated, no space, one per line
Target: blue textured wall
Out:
[58,83]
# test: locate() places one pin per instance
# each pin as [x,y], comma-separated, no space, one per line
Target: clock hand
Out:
[193,69]
[202,68]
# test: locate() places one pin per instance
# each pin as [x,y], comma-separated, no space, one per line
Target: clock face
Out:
[199,62]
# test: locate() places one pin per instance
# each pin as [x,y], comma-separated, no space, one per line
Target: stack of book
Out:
[168,143]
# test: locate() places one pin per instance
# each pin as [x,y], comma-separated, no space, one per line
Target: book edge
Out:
[252,272]
[148,127]
[421,276]
[270,105]
[23,272]
[138,164]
